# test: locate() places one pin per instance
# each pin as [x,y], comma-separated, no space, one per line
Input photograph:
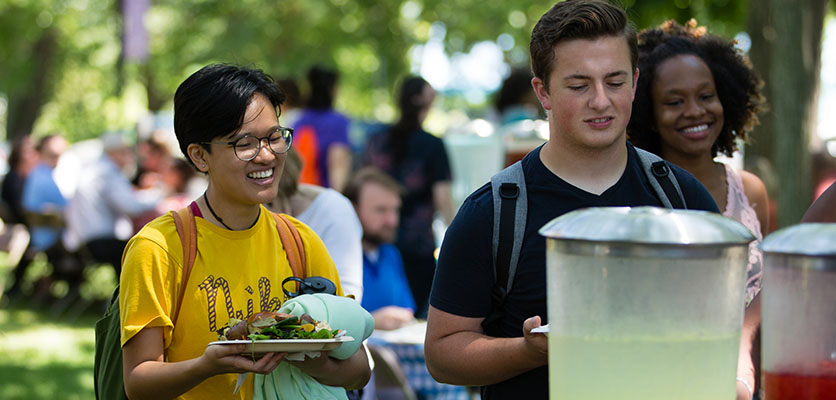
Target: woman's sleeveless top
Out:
[739,209]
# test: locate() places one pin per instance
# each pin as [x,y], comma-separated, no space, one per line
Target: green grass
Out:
[45,359]
[44,355]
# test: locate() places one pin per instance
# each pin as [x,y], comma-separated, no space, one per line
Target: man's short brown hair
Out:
[577,19]
[370,175]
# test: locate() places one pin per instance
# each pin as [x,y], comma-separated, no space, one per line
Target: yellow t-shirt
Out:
[235,274]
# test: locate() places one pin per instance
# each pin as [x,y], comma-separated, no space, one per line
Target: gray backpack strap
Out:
[510,209]
[508,184]
[662,180]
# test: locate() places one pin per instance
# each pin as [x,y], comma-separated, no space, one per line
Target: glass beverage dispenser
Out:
[798,330]
[644,303]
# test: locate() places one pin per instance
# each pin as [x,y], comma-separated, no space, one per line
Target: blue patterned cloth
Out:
[411,358]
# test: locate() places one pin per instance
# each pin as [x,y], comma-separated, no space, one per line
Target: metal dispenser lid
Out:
[809,239]
[650,225]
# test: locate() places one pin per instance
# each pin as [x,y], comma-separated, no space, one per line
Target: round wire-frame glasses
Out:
[247,147]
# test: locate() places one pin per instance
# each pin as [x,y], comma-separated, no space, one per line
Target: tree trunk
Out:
[762,33]
[156,99]
[25,105]
[793,85]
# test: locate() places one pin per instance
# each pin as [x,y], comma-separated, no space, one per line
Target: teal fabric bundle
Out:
[288,382]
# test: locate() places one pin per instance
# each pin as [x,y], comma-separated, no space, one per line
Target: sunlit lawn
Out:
[44,355]
[43,359]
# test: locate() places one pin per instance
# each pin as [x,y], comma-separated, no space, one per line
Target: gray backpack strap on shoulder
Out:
[508,184]
[510,210]
[662,180]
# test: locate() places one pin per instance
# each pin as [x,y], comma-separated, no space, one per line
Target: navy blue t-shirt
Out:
[464,276]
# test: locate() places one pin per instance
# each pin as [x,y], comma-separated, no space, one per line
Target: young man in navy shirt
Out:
[583,55]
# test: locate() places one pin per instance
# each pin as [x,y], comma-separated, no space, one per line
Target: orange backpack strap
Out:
[187,230]
[292,244]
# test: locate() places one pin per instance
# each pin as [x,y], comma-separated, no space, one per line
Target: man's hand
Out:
[392,317]
[538,343]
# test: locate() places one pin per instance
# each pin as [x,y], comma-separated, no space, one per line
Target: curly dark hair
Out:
[738,85]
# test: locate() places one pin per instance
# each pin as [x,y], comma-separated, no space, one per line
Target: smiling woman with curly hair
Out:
[738,86]
[696,97]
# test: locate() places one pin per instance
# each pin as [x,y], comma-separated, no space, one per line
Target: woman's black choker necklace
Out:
[206,199]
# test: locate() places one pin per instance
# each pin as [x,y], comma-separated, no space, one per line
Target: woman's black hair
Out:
[738,85]
[211,103]
[322,82]
[410,105]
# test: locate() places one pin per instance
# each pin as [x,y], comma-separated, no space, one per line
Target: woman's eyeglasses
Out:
[247,147]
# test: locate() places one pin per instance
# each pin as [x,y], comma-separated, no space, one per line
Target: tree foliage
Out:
[88,88]
[66,84]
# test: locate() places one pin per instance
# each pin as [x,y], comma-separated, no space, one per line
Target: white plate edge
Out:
[286,341]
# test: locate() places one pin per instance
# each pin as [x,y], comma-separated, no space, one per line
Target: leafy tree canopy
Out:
[88,88]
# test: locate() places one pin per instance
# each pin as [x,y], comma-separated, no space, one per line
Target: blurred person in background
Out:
[515,100]
[418,161]
[377,199]
[330,215]
[98,215]
[155,158]
[516,103]
[321,133]
[824,208]
[41,195]
[824,172]
[697,95]
[294,103]
[22,159]
[44,205]
[174,182]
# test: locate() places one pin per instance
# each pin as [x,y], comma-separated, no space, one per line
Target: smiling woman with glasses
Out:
[247,147]
[224,118]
